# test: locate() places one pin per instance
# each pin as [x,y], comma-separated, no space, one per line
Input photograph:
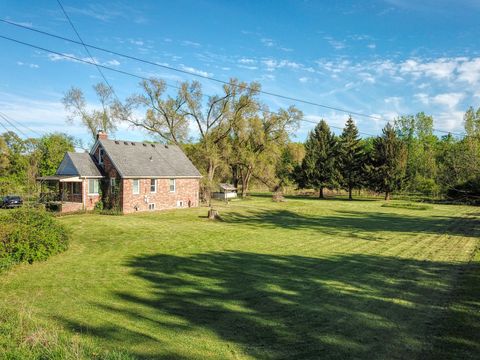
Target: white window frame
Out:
[101,154]
[180,203]
[151,206]
[95,181]
[133,186]
[170,185]
[154,185]
[113,182]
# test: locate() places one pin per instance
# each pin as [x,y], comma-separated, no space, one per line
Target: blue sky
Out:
[383,58]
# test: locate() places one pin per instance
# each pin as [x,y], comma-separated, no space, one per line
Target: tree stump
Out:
[213,214]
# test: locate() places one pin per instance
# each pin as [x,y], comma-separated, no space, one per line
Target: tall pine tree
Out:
[351,158]
[389,161]
[319,168]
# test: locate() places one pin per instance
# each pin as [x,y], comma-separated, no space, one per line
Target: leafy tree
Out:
[319,166]
[351,158]
[388,162]
[105,119]
[51,149]
[257,145]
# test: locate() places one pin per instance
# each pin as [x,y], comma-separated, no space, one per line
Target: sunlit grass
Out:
[301,279]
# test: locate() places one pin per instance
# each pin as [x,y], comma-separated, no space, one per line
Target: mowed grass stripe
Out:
[302,279]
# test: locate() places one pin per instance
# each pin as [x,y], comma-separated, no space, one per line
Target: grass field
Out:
[303,279]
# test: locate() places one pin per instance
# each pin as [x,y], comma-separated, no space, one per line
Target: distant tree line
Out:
[22,160]
[234,137]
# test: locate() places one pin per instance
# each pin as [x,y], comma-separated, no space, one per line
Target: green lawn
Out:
[303,279]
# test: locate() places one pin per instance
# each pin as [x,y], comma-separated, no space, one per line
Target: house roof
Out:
[138,159]
[78,164]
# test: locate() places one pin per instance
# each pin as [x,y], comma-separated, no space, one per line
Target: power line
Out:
[147,79]
[127,73]
[23,125]
[13,125]
[285,97]
[88,51]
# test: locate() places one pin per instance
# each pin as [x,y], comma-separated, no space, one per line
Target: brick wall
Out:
[186,191]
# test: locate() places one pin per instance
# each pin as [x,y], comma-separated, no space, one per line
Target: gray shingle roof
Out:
[79,164]
[134,159]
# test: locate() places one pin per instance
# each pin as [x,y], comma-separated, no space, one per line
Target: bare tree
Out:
[104,119]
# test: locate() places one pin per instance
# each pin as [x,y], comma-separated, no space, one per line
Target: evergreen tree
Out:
[351,158]
[388,162]
[319,168]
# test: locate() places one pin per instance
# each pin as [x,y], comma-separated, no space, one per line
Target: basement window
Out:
[151,206]
[179,203]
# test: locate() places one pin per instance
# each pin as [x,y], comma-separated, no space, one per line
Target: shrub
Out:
[28,235]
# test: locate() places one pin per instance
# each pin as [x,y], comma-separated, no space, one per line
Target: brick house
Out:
[130,176]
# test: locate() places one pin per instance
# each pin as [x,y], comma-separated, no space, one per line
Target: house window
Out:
[151,206]
[93,187]
[136,186]
[179,203]
[101,153]
[76,188]
[113,184]
[153,185]
[172,185]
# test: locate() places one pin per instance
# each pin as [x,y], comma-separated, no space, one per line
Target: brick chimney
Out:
[102,135]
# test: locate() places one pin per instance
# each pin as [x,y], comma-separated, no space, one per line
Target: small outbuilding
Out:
[227,191]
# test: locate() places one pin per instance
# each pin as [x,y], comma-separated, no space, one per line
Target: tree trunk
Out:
[246,176]
[320,195]
[235,175]
[350,193]
[387,195]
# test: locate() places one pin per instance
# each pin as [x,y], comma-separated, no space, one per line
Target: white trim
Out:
[174,185]
[155,185]
[98,185]
[133,187]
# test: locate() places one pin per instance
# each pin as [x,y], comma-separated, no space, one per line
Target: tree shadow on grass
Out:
[350,222]
[282,307]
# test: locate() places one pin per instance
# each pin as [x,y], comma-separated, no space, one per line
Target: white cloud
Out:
[303,79]
[267,42]
[372,46]
[247,61]
[69,57]
[195,71]
[273,64]
[450,100]
[336,44]
[469,71]
[191,43]
[30,65]
[393,100]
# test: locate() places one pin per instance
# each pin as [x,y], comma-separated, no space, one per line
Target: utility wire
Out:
[23,125]
[285,97]
[13,125]
[88,51]
[130,74]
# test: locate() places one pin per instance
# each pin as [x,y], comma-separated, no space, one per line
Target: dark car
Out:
[10,201]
